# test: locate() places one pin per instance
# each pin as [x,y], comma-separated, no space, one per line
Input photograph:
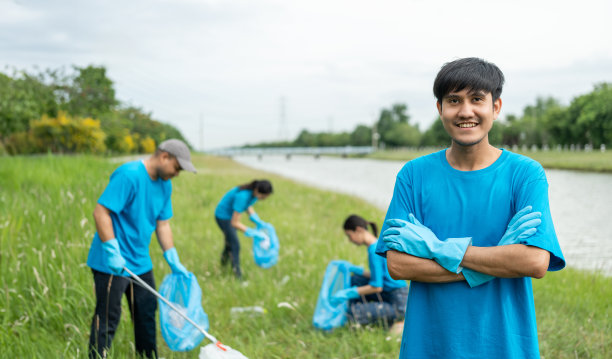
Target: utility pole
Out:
[375,136]
[282,126]
[201,132]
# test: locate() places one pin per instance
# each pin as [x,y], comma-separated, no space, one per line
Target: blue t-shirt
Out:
[236,200]
[136,203]
[379,274]
[452,320]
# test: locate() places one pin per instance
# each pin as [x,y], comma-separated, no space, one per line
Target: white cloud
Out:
[337,63]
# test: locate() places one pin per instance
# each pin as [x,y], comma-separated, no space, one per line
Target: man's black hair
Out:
[468,73]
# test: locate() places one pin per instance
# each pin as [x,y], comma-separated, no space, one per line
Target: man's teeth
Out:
[464,125]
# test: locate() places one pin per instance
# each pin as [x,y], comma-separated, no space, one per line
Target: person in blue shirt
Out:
[228,212]
[374,296]
[135,203]
[470,226]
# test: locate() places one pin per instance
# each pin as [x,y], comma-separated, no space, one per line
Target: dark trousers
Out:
[142,304]
[232,245]
[386,307]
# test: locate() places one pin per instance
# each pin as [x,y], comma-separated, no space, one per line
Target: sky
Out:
[228,73]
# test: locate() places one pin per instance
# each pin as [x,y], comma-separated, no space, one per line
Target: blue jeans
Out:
[142,304]
[232,245]
[386,307]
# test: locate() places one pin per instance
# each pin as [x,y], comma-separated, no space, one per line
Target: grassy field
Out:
[570,160]
[46,289]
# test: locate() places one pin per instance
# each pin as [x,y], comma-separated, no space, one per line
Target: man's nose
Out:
[466,110]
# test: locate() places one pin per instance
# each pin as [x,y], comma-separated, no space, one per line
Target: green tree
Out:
[361,136]
[435,135]
[402,134]
[23,98]
[91,93]
[389,122]
[589,118]
[306,139]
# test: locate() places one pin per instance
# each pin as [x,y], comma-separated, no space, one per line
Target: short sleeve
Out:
[377,270]
[118,193]
[535,193]
[401,203]
[241,201]
[166,212]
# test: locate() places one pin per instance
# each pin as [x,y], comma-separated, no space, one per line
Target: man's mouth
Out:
[467,124]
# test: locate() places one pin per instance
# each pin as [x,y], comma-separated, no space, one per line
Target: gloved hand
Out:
[475,278]
[258,236]
[522,226]
[343,295]
[415,239]
[114,260]
[355,269]
[255,219]
[174,263]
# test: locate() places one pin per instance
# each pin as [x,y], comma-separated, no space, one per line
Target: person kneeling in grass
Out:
[374,296]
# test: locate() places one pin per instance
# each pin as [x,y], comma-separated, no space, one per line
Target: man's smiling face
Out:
[468,115]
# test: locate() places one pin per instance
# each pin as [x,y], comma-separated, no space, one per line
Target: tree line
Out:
[51,111]
[585,122]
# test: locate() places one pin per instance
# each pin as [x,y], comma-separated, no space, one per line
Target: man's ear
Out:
[439,106]
[497,105]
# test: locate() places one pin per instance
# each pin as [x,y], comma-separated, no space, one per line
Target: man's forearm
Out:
[510,261]
[164,235]
[408,267]
[104,223]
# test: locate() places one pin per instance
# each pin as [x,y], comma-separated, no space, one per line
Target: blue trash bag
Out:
[266,257]
[328,316]
[184,293]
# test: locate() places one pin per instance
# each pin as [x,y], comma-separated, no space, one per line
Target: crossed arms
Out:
[510,261]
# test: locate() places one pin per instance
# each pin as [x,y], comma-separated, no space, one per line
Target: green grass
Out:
[596,161]
[46,289]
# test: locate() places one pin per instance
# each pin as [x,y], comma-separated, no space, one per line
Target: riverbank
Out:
[595,161]
[46,297]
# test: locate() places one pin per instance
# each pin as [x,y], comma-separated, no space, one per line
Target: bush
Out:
[65,134]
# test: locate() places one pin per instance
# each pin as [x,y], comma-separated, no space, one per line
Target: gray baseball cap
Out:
[179,149]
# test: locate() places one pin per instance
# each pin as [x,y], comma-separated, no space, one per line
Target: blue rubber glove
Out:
[522,226]
[343,295]
[355,269]
[255,219]
[173,261]
[415,239]
[254,233]
[259,237]
[114,260]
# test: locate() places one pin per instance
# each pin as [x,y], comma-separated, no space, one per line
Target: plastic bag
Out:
[185,293]
[328,316]
[211,351]
[265,251]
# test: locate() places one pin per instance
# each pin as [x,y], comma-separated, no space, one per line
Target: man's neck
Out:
[472,158]
[150,165]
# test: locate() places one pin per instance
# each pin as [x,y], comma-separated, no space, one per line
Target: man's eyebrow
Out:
[478,93]
[450,96]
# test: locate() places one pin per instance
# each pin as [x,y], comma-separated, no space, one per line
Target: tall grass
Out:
[46,289]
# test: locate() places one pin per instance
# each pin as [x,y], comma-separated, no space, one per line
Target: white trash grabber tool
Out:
[206,334]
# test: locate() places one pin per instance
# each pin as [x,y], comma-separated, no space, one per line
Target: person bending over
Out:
[135,203]
[228,212]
